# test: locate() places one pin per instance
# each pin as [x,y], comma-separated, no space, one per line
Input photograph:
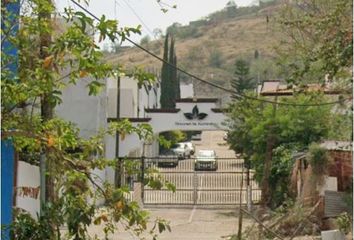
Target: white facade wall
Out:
[89,113]
[187,90]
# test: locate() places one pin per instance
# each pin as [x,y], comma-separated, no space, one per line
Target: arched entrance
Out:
[223,186]
[189,115]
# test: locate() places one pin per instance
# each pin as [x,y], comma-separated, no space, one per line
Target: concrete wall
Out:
[89,113]
[165,121]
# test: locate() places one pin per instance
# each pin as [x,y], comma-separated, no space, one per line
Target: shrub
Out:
[344,222]
[318,159]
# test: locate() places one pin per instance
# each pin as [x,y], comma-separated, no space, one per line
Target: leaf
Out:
[83,73]
[188,116]
[97,221]
[201,116]
[48,62]
[161,227]
[195,111]
[171,187]
[50,141]
[119,205]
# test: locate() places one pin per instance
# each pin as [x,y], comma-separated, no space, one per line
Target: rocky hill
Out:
[209,47]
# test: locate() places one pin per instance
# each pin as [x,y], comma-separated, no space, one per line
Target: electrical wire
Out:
[140,19]
[213,84]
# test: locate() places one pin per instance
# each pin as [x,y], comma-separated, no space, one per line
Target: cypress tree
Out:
[173,72]
[169,82]
[177,77]
[241,81]
[165,98]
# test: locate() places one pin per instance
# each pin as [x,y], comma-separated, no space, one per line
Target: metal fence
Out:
[221,187]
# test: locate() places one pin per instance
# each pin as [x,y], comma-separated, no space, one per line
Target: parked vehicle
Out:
[197,137]
[182,150]
[225,137]
[190,147]
[167,158]
[205,159]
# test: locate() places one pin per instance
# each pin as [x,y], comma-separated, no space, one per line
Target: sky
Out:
[148,12]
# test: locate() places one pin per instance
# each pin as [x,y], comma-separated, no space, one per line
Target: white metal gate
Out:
[221,187]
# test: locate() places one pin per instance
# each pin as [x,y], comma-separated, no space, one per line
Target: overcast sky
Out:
[148,13]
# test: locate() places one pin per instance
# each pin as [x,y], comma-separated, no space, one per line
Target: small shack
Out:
[331,191]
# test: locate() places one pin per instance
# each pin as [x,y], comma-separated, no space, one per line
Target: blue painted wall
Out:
[7,150]
[7,184]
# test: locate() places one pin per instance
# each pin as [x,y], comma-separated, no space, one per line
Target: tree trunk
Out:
[266,192]
[46,106]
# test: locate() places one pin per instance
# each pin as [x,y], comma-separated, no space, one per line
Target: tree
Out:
[173,72]
[45,52]
[157,33]
[215,58]
[291,129]
[165,98]
[318,40]
[145,40]
[169,79]
[241,81]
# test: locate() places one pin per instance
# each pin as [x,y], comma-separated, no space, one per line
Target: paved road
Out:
[194,222]
[188,224]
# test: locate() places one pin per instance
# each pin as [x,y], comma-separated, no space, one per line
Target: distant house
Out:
[330,194]
[277,88]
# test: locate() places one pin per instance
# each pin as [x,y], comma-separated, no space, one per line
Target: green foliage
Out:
[145,40]
[251,122]
[173,29]
[167,139]
[318,159]
[319,40]
[344,223]
[48,49]
[169,79]
[215,58]
[342,124]
[242,81]
[264,69]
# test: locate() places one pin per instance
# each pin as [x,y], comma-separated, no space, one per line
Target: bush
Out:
[318,159]
[344,223]
[215,58]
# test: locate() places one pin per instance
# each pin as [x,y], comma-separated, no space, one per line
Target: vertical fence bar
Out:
[195,187]
[142,169]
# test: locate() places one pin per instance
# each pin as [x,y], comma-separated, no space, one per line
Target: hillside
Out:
[209,48]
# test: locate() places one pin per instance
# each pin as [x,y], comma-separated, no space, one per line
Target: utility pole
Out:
[249,189]
[271,139]
[240,216]
[119,167]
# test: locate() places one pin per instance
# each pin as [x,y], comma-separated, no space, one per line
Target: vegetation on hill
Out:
[209,47]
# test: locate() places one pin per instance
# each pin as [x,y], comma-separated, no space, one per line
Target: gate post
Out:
[249,191]
[142,169]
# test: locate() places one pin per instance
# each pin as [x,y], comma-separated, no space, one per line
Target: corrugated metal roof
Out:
[334,204]
[337,145]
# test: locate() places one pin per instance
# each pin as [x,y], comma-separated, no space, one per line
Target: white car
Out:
[182,150]
[206,159]
[190,147]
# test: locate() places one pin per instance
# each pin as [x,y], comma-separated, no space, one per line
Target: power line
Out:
[213,84]
[140,19]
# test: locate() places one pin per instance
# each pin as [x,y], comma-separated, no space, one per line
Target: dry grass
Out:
[233,38]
